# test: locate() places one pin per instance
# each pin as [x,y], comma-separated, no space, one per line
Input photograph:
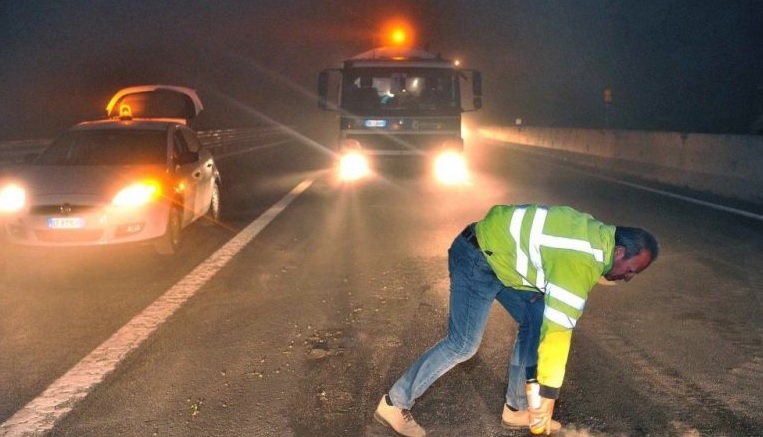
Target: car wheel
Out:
[169,243]
[213,214]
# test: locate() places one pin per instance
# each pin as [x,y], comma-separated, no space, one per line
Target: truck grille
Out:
[403,144]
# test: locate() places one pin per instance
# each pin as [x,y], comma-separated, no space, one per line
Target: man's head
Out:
[635,249]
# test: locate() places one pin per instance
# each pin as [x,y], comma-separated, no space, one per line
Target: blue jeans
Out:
[473,287]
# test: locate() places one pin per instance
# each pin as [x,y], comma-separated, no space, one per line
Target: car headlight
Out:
[137,194]
[353,166]
[12,198]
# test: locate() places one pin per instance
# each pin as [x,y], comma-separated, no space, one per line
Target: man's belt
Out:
[470,235]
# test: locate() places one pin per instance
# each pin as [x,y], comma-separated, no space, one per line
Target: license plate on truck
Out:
[66,223]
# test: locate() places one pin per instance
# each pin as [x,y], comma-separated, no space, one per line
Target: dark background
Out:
[677,65]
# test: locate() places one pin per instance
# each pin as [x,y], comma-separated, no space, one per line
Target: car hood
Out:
[90,181]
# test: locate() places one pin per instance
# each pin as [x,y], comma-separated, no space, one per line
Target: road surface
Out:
[300,325]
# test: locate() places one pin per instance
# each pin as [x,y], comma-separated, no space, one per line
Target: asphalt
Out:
[302,331]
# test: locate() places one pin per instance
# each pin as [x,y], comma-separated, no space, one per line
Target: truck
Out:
[400,103]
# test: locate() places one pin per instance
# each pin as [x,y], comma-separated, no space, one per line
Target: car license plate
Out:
[66,223]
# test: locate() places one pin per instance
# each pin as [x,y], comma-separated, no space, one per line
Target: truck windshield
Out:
[395,90]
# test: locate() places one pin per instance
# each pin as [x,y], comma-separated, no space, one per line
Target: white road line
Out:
[736,211]
[729,209]
[41,414]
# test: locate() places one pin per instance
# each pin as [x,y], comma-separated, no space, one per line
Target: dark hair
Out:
[635,240]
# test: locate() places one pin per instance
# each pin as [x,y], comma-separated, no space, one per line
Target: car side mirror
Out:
[477,83]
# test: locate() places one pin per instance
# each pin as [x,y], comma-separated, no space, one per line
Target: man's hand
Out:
[540,418]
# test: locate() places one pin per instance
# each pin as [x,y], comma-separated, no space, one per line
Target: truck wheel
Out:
[169,243]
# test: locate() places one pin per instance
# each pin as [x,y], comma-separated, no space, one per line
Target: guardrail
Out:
[225,137]
[220,141]
[12,152]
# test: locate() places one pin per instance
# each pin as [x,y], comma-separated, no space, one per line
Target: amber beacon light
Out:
[398,33]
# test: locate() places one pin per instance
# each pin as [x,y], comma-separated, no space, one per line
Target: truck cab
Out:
[400,103]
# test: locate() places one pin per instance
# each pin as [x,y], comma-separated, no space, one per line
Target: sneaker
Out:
[401,421]
[521,419]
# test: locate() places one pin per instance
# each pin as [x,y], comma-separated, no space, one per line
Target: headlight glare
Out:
[450,168]
[137,194]
[353,166]
[12,198]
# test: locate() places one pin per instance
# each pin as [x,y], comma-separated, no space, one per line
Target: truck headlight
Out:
[450,168]
[353,166]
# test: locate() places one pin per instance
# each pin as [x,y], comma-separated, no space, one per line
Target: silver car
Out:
[121,180]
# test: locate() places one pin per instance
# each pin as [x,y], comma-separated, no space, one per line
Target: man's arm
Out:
[553,351]
[564,305]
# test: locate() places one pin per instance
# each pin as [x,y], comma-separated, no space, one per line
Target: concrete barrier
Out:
[726,165]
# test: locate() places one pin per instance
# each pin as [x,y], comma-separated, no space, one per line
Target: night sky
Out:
[676,65]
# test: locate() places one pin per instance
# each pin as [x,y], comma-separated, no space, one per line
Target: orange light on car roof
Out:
[125,112]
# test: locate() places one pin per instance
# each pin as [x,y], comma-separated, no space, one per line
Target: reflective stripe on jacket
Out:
[558,251]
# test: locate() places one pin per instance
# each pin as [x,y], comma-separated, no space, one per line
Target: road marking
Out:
[41,414]
[737,211]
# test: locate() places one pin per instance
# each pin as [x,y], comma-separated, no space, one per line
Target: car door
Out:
[187,171]
[206,167]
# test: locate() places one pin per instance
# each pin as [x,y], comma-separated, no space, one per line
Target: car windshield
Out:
[392,90]
[106,147]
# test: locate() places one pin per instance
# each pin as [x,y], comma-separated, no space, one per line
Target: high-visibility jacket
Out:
[558,251]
